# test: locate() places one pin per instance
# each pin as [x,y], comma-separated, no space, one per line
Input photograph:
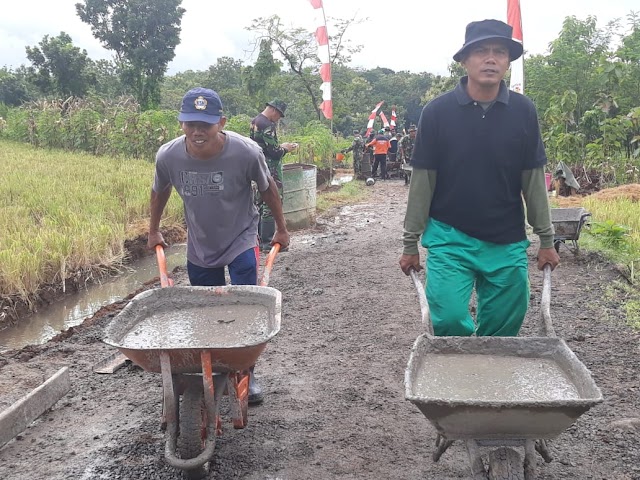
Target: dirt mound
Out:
[630,191]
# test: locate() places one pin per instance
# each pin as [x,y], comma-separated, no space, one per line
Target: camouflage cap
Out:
[278,105]
[412,128]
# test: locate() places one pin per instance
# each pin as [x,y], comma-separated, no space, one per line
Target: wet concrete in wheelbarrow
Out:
[334,376]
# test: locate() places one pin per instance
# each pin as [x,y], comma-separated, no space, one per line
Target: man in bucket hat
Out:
[477,153]
[264,132]
[212,170]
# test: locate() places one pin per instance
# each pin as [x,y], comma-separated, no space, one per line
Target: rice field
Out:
[62,213]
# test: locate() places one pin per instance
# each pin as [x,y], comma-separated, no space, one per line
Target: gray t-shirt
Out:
[222,219]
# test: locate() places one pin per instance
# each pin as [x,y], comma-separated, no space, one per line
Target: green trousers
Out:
[275,168]
[455,263]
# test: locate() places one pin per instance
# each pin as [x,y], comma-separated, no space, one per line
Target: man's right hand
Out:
[155,239]
[410,262]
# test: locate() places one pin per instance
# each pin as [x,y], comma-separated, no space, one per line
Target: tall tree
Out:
[297,47]
[59,68]
[13,88]
[143,36]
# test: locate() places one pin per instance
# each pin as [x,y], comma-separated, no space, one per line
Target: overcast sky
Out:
[414,35]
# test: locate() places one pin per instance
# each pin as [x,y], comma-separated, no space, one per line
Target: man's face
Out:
[202,136]
[487,62]
[412,134]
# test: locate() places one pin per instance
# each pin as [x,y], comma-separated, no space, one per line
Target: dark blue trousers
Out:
[243,270]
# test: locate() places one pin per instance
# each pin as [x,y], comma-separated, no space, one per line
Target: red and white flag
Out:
[372,118]
[393,118]
[514,18]
[383,117]
[323,52]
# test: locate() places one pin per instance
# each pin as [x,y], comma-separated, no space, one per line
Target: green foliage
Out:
[116,128]
[611,234]
[317,145]
[239,124]
[13,88]
[60,69]
[143,36]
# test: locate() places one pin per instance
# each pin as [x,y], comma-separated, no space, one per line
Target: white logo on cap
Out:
[200,103]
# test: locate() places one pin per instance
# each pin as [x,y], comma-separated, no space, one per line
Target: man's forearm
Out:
[272,198]
[423,184]
[158,202]
[534,190]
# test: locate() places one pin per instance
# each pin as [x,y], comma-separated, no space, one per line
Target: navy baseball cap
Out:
[201,105]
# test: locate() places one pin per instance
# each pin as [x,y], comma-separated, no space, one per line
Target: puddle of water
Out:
[72,309]
[340,179]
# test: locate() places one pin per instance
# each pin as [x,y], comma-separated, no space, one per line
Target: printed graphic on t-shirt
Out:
[195,184]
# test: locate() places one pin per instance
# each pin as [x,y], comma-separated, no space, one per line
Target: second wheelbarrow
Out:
[498,392]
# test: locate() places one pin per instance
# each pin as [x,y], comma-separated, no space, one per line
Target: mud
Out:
[333,376]
[488,378]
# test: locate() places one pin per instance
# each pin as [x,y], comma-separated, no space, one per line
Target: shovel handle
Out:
[165,281]
[271,258]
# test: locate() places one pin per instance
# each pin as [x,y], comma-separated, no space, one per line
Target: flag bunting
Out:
[322,37]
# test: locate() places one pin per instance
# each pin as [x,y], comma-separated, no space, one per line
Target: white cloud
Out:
[414,35]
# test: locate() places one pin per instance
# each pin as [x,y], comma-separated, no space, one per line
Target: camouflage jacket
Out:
[406,147]
[263,132]
[357,146]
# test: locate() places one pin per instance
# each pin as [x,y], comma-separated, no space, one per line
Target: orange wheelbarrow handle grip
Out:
[165,281]
[271,258]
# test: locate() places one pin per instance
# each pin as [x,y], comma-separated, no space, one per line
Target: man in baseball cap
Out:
[212,170]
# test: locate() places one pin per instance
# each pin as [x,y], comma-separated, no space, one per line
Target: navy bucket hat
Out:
[201,105]
[490,30]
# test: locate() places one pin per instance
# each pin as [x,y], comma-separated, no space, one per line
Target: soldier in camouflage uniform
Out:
[358,149]
[406,149]
[263,132]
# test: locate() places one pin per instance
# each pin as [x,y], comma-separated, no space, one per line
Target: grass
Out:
[611,209]
[63,212]
[348,193]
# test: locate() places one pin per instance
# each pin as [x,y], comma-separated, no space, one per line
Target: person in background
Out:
[380,145]
[264,132]
[405,150]
[357,147]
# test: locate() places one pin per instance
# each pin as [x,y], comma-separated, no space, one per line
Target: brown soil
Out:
[334,376]
[14,307]
[631,192]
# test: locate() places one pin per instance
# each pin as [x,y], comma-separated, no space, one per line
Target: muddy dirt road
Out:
[335,405]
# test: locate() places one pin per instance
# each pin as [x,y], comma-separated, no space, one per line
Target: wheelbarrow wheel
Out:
[193,429]
[505,464]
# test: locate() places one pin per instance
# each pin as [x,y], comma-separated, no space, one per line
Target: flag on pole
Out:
[383,117]
[372,118]
[394,117]
[514,18]
[322,37]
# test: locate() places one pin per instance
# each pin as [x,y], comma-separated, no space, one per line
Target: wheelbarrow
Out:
[498,392]
[203,341]
[567,223]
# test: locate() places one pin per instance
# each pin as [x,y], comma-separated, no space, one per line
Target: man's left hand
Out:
[548,256]
[281,237]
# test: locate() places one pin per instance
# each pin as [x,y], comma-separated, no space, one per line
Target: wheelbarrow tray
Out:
[238,357]
[503,420]
[568,222]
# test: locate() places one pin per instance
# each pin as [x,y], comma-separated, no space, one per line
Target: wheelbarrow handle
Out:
[268,266]
[546,325]
[165,281]
[424,305]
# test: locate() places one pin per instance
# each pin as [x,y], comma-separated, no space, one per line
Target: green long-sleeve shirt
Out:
[423,184]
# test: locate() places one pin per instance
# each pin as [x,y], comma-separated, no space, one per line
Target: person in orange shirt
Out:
[380,148]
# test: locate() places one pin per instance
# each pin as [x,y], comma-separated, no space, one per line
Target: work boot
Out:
[255,390]
[266,231]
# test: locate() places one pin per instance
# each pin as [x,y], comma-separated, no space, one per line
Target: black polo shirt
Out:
[479,157]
